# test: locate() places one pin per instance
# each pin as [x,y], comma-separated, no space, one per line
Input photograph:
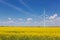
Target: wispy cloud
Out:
[19,9]
[30,9]
[22,2]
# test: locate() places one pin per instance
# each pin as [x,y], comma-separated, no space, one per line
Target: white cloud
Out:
[53,17]
[58,18]
[7,22]
[19,23]
[20,19]
[54,22]
[9,18]
[29,19]
[28,22]
[11,21]
[35,22]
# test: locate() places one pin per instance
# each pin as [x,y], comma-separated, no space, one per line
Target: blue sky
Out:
[30,12]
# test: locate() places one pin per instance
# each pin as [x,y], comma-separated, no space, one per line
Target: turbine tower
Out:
[44,17]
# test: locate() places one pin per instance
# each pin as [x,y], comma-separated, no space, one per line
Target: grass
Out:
[29,33]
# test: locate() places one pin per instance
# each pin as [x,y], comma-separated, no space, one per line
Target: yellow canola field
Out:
[38,31]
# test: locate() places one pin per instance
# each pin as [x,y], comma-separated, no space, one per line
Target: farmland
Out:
[29,33]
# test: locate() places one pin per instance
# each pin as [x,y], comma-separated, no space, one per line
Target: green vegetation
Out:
[25,37]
